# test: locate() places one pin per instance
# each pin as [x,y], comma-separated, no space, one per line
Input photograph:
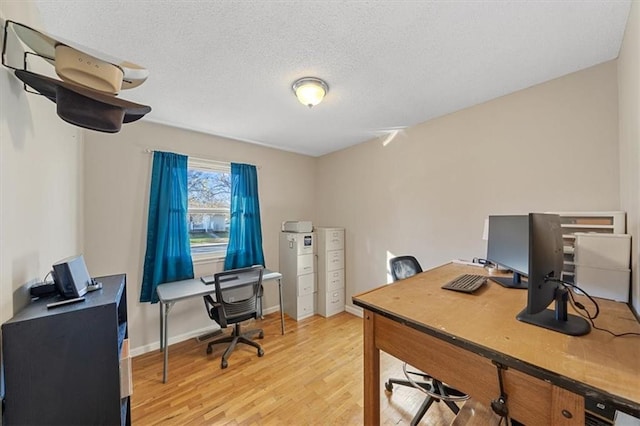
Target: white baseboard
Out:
[354,310]
[271,310]
[155,346]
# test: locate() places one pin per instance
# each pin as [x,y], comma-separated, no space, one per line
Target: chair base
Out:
[207,336]
[388,385]
[473,413]
[433,386]
[234,338]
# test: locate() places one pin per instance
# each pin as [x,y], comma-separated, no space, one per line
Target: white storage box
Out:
[609,251]
[606,283]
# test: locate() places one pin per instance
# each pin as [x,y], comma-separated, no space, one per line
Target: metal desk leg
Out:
[165,343]
[260,299]
[281,305]
[161,326]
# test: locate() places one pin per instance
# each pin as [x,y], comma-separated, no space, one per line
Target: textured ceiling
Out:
[226,67]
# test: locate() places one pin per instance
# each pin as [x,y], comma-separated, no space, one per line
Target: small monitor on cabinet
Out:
[71,277]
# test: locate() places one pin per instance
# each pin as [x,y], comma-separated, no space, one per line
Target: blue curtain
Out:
[168,256]
[245,231]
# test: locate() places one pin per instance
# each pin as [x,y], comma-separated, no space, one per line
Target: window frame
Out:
[210,166]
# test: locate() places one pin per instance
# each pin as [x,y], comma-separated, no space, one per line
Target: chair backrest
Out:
[404,267]
[238,290]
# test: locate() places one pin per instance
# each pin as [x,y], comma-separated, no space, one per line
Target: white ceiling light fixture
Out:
[310,90]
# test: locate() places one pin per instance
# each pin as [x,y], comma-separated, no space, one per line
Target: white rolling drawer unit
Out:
[602,265]
[331,284]
[297,266]
[597,253]
[610,222]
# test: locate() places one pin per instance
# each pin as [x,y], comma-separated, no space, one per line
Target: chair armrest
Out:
[215,311]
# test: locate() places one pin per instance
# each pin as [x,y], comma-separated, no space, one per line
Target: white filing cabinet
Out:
[331,284]
[297,266]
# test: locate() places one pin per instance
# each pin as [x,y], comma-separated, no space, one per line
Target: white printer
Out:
[300,226]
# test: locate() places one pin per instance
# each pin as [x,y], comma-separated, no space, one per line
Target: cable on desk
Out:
[587,315]
[44,280]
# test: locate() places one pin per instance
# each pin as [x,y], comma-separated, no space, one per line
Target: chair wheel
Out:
[260,352]
[261,335]
[388,386]
[224,364]
[209,350]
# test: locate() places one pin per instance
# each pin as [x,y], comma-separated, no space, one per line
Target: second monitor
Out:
[508,246]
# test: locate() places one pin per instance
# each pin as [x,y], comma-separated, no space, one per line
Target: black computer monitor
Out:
[508,246]
[546,258]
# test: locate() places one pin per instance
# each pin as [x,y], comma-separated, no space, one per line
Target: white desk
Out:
[170,293]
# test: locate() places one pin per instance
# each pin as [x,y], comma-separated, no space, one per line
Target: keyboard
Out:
[208,279]
[467,283]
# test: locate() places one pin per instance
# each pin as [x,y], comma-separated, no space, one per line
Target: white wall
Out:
[40,181]
[629,129]
[408,197]
[552,147]
[117,193]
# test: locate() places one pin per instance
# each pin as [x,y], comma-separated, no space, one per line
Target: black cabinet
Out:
[63,365]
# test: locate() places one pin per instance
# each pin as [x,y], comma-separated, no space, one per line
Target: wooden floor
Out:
[312,375]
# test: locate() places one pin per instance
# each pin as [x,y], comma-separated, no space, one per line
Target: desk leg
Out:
[281,306]
[161,326]
[165,340]
[371,372]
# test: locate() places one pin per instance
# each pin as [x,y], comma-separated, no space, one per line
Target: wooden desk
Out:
[170,293]
[455,337]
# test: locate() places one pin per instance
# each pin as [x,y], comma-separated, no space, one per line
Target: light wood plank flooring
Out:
[310,376]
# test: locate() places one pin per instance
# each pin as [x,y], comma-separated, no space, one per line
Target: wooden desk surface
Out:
[597,364]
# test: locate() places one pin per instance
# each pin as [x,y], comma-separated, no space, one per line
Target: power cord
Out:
[44,280]
[580,307]
[499,405]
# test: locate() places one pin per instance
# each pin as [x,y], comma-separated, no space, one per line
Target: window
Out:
[209,187]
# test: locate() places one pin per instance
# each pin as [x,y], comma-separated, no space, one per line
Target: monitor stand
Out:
[558,320]
[515,282]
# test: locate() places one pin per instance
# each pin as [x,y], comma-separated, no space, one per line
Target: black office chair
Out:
[236,300]
[402,267]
